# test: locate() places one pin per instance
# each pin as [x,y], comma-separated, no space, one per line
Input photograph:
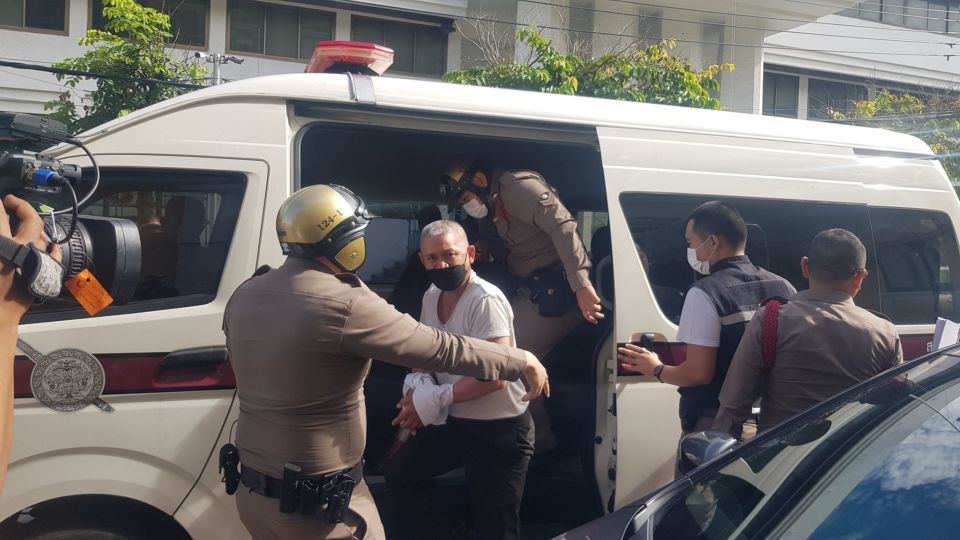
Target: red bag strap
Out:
[768,339]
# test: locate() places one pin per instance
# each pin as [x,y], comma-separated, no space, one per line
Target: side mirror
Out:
[701,447]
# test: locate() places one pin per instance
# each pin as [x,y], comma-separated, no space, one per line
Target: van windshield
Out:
[893,443]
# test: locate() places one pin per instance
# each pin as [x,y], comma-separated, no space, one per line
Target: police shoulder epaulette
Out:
[881,315]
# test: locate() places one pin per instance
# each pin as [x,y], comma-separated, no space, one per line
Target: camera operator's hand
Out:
[14,298]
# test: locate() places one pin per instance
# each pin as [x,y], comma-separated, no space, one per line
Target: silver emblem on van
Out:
[66,380]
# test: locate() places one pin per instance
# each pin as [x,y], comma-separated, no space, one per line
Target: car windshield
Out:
[889,450]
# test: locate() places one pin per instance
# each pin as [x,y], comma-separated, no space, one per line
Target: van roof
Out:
[440,97]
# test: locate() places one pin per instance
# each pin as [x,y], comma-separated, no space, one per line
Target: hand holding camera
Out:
[20,223]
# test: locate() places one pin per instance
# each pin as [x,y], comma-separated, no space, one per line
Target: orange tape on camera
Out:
[89,292]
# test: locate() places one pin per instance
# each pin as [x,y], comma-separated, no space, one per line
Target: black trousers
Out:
[495,455]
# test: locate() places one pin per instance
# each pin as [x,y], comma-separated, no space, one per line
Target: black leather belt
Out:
[268,486]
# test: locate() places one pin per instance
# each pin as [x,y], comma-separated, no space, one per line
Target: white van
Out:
[215,165]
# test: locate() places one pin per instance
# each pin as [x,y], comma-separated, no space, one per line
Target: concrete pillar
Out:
[217,40]
[742,90]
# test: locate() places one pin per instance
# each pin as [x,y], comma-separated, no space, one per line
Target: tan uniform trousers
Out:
[537,334]
[261,516]
[540,335]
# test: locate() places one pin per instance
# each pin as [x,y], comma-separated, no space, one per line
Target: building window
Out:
[418,49]
[278,30]
[780,94]
[34,14]
[188,19]
[825,97]
[930,15]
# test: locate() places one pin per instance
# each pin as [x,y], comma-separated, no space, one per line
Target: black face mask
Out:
[449,278]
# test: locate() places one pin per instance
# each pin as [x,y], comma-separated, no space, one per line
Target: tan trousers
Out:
[540,335]
[537,334]
[261,516]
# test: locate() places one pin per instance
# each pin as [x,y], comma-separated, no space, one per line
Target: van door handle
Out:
[186,366]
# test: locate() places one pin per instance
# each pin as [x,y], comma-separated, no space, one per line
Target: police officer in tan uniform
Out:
[537,236]
[300,339]
[819,342]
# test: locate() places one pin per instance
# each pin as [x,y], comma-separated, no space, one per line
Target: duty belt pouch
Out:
[338,498]
[550,292]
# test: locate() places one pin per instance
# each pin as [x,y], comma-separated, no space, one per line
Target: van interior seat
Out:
[407,295]
[757,248]
[187,222]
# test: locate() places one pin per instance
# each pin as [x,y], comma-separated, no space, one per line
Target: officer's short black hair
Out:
[721,219]
[835,255]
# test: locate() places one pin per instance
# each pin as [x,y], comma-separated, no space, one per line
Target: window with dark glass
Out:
[917,259]
[776,239]
[929,15]
[34,14]
[418,49]
[186,222]
[275,30]
[188,19]
[780,94]
[825,97]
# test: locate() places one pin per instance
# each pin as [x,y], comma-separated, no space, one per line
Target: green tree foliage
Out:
[936,122]
[648,74]
[132,44]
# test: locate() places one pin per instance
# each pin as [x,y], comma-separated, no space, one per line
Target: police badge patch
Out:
[66,380]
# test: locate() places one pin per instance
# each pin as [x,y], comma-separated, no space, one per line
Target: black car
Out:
[881,460]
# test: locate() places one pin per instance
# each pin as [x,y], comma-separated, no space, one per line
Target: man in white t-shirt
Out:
[482,426]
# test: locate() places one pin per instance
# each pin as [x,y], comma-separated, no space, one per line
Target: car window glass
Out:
[918,264]
[778,233]
[918,475]
[186,222]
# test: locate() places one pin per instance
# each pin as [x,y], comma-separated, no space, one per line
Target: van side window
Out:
[778,233]
[186,221]
[917,259]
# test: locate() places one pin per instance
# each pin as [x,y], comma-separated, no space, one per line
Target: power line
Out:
[744,45]
[742,27]
[60,86]
[91,75]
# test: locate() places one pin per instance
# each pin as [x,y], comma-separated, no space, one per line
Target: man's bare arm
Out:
[469,389]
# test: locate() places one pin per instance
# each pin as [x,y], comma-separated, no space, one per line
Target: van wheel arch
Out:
[99,517]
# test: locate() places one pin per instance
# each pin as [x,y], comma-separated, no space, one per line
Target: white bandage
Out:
[431,401]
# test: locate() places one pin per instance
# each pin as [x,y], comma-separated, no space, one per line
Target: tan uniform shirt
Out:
[825,344]
[300,342]
[536,228]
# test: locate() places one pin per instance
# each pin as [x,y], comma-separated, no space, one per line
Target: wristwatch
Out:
[657,371]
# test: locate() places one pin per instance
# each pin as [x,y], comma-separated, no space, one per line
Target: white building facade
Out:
[797,58]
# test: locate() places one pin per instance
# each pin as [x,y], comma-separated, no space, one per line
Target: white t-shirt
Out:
[699,320]
[482,312]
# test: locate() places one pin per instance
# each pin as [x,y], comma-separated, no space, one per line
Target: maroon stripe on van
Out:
[140,373]
[673,354]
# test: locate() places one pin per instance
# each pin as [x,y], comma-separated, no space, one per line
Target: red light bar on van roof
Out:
[350,56]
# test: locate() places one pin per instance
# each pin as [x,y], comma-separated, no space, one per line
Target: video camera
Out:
[107,247]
